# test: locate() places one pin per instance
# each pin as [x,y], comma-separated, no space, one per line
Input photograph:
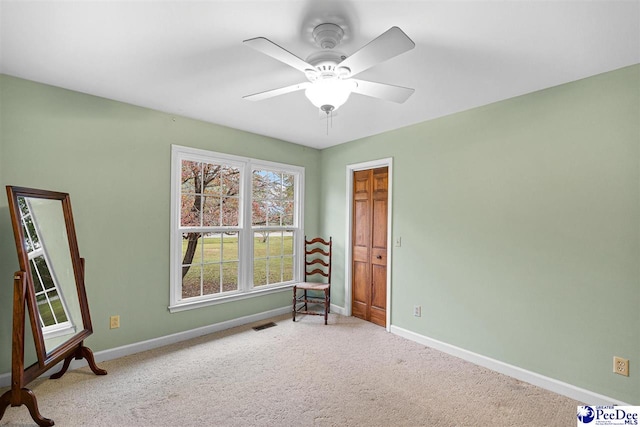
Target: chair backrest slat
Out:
[317,261]
[317,251]
[318,271]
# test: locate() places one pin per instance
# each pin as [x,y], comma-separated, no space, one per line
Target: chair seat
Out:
[311,286]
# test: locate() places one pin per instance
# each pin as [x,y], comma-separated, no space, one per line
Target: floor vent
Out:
[265,326]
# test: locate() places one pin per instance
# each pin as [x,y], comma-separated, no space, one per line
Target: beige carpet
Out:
[349,373]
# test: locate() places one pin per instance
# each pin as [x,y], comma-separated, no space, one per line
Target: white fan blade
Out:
[275,92]
[268,47]
[391,43]
[384,91]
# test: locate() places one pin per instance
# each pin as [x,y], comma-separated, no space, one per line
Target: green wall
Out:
[520,229]
[114,161]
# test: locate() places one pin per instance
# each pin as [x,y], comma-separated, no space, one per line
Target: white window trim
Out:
[245,253]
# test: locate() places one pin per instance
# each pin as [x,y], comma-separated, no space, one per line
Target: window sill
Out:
[190,305]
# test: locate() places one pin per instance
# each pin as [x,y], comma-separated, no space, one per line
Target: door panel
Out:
[378,300]
[369,230]
[362,216]
[360,290]
[379,229]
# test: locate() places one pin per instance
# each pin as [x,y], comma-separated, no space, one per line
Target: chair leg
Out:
[306,308]
[326,305]
[293,313]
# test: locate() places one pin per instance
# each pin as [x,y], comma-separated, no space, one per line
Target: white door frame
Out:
[388,162]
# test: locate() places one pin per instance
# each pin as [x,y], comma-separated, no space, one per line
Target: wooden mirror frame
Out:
[25,296]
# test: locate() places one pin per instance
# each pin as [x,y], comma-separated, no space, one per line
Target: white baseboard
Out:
[559,387]
[115,353]
[338,310]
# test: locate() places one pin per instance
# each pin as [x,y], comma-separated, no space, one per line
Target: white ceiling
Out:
[187,57]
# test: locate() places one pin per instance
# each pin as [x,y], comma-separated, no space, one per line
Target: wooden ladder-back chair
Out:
[317,262]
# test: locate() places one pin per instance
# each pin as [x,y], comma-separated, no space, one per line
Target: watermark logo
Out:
[586,414]
[608,416]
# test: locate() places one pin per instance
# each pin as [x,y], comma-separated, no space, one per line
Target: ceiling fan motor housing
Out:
[325,63]
[328,36]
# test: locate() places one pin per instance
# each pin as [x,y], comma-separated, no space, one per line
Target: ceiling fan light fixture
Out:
[329,94]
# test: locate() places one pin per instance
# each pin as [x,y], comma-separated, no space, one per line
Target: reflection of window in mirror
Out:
[53,314]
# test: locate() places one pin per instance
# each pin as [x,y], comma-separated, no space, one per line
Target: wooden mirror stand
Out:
[57,304]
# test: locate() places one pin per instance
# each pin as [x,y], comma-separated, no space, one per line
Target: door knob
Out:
[379,257]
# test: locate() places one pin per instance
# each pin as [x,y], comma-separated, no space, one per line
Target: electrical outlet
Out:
[417,310]
[398,242]
[621,366]
[114,322]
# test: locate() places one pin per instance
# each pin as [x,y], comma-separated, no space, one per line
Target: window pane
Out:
[270,191]
[46,314]
[287,215]
[259,212]
[211,279]
[43,272]
[275,244]
[212,248]
[211,211]
[287,268]
[230,276]
[259,272]
[230,247]
[191,253]
[31,236]
[230,210]
[230,181]
[275,270]
[191,177]
[190,210]
[212,257]
[260,244]
[288,182]
[56,306]
[211,179]
[24,209]
[36,277]
[287,243]
[275,213]
[191,282]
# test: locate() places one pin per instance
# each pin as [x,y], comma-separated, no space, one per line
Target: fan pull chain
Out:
[328,110]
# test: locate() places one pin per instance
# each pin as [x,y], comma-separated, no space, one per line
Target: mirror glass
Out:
[50,264]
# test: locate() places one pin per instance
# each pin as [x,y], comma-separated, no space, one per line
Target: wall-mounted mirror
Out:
[50,284]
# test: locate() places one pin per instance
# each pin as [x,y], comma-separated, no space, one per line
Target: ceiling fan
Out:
[330,73]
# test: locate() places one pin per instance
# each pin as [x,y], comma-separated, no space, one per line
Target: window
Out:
[272,208]
[235,227]
[52,312]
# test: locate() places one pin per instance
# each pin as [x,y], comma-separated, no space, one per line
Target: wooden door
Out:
[369,245]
